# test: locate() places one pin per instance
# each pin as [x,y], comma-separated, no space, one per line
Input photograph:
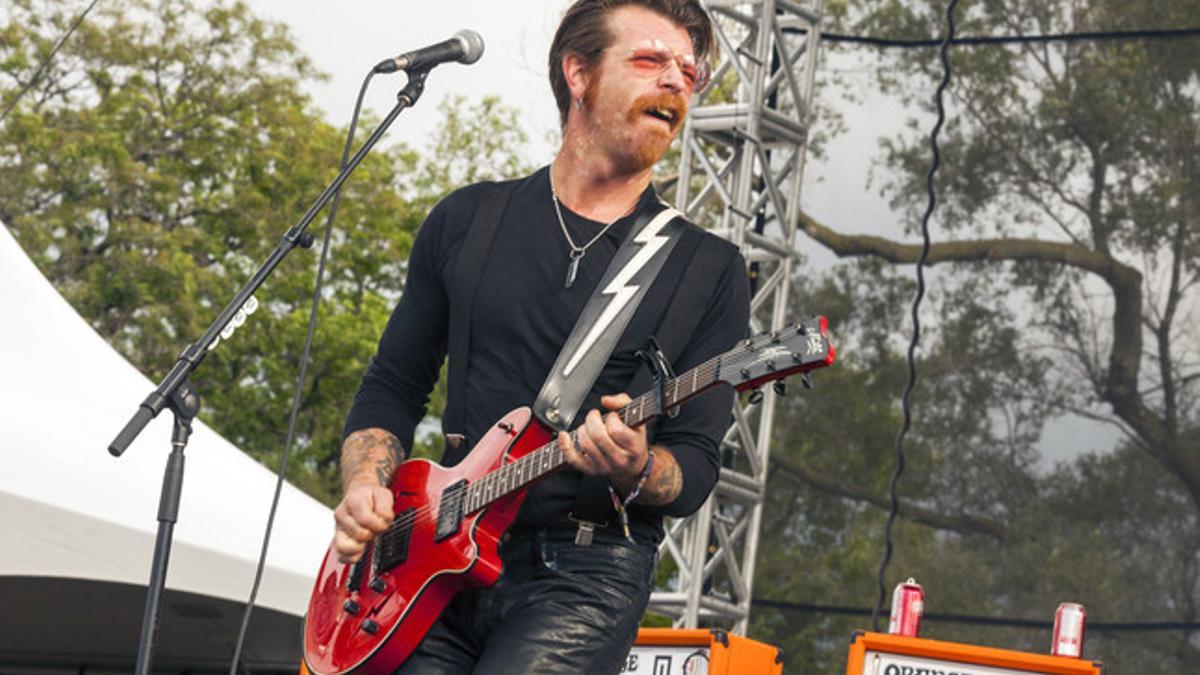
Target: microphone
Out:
[465,47]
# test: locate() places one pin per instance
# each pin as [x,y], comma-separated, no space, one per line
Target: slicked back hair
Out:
[584,32]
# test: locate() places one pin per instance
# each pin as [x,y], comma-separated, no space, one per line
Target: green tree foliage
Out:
[157,162]
[1064,282]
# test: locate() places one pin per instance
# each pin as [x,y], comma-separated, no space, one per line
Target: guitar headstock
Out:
[764,358]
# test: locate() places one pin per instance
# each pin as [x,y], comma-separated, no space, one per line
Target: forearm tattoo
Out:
[665,481]
[370,451]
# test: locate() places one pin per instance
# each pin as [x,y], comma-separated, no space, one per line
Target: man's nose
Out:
[672,77]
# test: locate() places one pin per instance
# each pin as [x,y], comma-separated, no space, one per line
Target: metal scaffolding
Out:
[740,172]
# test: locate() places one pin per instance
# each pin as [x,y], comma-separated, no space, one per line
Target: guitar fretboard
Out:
[546,459]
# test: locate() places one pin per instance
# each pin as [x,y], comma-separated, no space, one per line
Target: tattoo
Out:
[370,451]
[665,481]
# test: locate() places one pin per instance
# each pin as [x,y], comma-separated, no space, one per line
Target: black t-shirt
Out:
[521,316]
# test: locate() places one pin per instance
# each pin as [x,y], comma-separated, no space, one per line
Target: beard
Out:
[645,148]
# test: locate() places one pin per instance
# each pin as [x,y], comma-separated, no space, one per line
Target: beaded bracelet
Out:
[620,505]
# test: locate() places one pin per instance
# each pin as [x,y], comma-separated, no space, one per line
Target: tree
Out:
[1065,261]
[158,160]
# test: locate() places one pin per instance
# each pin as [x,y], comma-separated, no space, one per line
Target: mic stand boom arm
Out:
[175,390]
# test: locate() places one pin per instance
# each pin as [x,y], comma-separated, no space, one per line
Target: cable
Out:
[1102,626]
[916,318]
[299,389]
[1008,39]
[46,63]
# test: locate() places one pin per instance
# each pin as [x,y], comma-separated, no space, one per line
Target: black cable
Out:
[916,318]
[299,388]
[46,63]
[1101,626]
[1008,39]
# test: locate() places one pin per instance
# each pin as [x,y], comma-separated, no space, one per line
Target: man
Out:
[622,72]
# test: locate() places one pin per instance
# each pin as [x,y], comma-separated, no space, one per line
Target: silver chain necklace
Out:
[577,252]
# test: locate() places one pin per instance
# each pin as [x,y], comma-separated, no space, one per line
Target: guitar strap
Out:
[615,299]
[703,269]
[469,268]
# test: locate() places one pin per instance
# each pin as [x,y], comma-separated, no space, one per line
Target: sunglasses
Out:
[652,58]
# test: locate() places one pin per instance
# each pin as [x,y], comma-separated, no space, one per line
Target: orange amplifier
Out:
[672,651]
[883,654]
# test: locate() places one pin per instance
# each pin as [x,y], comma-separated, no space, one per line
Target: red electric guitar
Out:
[369,616]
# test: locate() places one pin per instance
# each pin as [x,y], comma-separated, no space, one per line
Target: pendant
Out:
[573,267]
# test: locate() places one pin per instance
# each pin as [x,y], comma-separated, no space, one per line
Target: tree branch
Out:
[1121,383]
[963,523]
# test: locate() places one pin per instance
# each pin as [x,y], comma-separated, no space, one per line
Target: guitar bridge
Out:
[450,510]
[354,579]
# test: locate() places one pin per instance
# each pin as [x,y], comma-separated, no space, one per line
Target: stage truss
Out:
[740,171]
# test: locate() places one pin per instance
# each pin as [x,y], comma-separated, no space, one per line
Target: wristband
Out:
[620,504]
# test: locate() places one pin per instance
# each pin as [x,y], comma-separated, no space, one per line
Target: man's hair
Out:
[584,32]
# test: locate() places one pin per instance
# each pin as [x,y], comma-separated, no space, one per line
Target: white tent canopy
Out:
[70,511]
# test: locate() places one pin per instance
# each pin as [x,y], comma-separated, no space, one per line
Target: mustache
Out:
[675,103]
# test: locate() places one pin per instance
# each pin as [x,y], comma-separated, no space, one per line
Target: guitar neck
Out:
[549,458]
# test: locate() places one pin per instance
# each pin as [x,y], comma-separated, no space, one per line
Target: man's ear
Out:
[576,75]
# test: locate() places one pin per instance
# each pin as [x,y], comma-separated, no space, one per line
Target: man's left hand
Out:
[607,446]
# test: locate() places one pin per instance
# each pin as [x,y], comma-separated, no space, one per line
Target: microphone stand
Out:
[176,391]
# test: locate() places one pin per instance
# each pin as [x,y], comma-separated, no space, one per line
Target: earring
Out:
[579,104]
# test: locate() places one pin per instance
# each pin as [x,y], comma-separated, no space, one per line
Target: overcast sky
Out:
[347,38]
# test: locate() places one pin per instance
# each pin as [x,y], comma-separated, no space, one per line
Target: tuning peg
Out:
[780,387]
[806,379]
[756,397]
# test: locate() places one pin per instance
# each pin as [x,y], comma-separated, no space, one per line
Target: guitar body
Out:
[405,600]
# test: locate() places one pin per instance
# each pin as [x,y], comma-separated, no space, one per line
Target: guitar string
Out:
[531,463]
[410,517]
[535,458]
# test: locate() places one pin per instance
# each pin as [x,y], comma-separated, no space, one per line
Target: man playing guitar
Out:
[623,73]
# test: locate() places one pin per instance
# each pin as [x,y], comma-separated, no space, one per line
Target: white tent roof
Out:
[69,509]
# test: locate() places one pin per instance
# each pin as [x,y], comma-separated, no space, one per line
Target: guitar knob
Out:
[745,373]
[770,365]
[351,606]
[378,585]
[370,626]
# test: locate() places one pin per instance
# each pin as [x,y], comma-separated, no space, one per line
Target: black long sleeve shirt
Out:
[520,318]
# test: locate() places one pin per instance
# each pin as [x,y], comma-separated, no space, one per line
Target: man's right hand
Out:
[364,513]
[369,460]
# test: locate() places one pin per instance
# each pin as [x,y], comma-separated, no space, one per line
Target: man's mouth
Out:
[667,115]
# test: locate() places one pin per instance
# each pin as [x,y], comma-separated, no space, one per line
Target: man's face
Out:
[637,95]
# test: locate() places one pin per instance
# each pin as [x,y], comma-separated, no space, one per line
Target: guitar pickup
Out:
[392,546]
[450,510]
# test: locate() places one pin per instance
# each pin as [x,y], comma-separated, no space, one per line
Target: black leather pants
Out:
[558,608]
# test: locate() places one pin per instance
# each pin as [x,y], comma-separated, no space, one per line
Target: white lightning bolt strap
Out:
[620,290]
